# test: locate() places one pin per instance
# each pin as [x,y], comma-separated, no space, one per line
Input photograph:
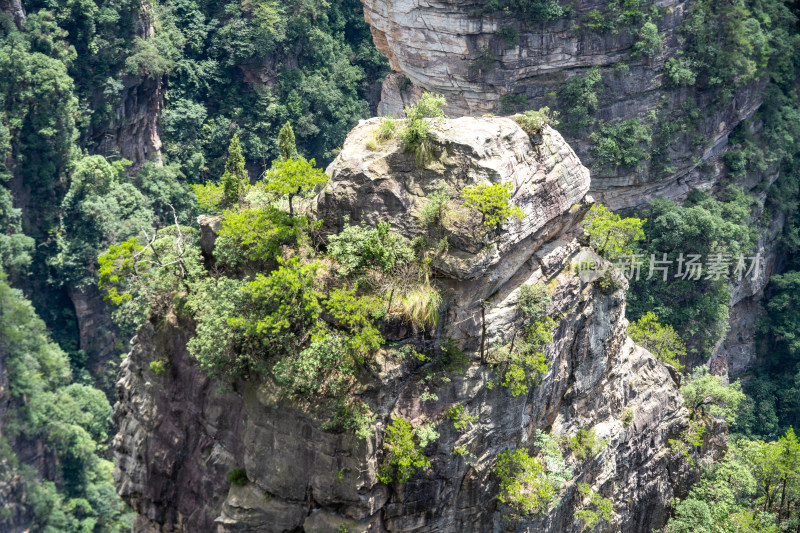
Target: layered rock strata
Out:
[179,438]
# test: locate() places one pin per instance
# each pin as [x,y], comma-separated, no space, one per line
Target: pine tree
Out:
[286,142]
[235,179]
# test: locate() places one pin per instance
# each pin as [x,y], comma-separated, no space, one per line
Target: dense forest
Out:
[253,100]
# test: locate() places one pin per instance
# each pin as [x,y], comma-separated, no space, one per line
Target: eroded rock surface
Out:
[436,45]
[178,439]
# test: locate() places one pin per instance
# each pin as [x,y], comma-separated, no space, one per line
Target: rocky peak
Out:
[177,439]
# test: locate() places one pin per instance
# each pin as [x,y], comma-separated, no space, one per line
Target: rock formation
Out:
[180,433]
[437,46]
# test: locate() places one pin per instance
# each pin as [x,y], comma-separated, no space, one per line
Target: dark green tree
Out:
[286,142]
[235,179]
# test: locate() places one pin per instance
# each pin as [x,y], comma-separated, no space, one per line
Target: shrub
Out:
[354,312]
[415,130]
[662,341]
[437,205]
[461,419]
[578,99]
[512,102]
[680,71]
[286,142]
[357,248]
[603,507]
[238,476]
[524,484]
[627,417]
[532,302]
[355,416]
[586,444]
[257,235]
[493,201]
[649,43]
[525,359]
[532,122]
[324,369]
[158,367]
[621,144]
[403,453]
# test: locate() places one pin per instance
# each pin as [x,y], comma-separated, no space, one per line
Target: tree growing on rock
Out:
[493,201]
[294,177]
[610,234]
[286,142]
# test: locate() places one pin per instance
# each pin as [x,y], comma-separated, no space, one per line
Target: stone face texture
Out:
[179,438]
[434,43]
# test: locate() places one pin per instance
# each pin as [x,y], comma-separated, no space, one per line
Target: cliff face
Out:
[454,48]
[178,438]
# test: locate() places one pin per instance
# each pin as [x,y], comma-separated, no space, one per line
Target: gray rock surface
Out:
[178,439]
[432,45]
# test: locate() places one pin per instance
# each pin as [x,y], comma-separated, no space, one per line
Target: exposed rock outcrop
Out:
[437,46]
[178,439]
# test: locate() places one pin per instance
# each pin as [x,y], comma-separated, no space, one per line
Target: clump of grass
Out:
[421,306]
[387,129]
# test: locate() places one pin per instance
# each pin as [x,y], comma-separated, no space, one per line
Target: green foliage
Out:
[158,367]
[294,177]
[421,306]
[354,415]
[680,71]
[414,132]
[145,276]
[627,417]
[603,508]
[620,144]
[238,476]
[532,302]
[610,234]
[235,180]
[525,360]
[753,488]
[532,122]
[387,128]
[69,420]
[707,395]
[586,444]
[354,313]
[461,419]
[286,142]
[649,41]
[662,341]
[437,206]
[527,10]
[256,236]
[99,210]
[357,248]
[403,452]
[783,312]
[578,99]
[512,102]
[529,484]
[493,202]
[523,482]
[703,226]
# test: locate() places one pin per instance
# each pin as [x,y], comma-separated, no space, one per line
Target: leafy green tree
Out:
[235,179]
[286,142]
[610,234]
[493,202]
[783,312]
[524,484]
[578,99]
[649,43]
[707,395]
[294,177]
[100,209]
[662,341]
[620,144]
[403,453]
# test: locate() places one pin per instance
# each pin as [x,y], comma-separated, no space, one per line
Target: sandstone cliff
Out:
[180,433]
[438,46]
